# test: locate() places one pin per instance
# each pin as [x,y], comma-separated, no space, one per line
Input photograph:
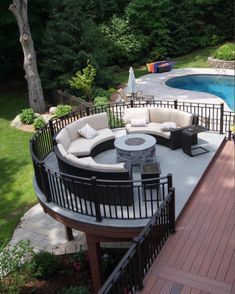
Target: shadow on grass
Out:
[12,103]
[17,194]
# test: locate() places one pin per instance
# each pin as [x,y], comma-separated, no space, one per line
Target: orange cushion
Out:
[150,67]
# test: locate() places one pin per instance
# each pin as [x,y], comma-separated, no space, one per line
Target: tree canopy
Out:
[67,33]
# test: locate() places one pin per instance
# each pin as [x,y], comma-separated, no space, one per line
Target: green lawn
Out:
[195,59]
[16,172]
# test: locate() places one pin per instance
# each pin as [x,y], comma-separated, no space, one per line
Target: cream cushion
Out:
[168,125]
[136,113]
[138,122]
[87,132]
[96,121]
[83,147]
[107,167]
[63,138]
[181,118]
[151,129]
[79,162]
[61,149]
[89,163]
[159,115]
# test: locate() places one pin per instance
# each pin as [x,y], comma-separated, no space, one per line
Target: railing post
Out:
[170,182]
[51,128]
[221,118]
[139,265]
[172,211]
[96,200]
[44,181]
[132,103]
[87,111]
[207,122]
[175,104]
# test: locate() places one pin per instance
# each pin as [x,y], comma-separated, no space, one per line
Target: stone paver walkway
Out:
[45,233]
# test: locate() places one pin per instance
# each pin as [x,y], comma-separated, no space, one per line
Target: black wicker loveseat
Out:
[152,120]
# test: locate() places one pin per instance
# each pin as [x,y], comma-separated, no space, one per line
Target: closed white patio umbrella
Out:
[131,88]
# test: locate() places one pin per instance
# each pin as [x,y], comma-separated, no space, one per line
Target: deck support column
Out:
[69,233]
[93,246]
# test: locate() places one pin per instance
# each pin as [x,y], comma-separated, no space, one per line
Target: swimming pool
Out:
[219,85]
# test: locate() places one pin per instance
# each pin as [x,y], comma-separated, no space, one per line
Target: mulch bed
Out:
[67,277]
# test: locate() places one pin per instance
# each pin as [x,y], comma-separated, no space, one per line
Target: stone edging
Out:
[218,63]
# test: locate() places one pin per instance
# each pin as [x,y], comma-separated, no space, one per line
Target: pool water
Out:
[219,85]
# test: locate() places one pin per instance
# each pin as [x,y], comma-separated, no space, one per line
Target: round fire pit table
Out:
[135,148]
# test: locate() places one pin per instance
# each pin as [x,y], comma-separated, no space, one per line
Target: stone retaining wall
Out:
[218,63]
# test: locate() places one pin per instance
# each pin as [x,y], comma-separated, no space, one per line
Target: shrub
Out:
[80,260]
[76,290]
[83,80]
[111,91]
[115,121]
[39,123]
[27,116]
[100,92]
[12,259]
[232,129]
[225,52]
[107,264]
[62,110]
[101,101]
[43,265]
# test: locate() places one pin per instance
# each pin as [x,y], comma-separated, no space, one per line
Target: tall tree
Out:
[36,100]
[79,39]
[10,51]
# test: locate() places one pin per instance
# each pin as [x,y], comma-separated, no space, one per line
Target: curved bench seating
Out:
[79,146]
[74,154]
[154,118]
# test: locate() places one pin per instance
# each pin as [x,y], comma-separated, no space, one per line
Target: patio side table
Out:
[189,136]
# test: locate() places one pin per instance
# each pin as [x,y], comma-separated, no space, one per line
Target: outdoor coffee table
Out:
[135,148]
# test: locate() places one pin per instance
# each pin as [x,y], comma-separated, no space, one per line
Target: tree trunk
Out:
[36,100]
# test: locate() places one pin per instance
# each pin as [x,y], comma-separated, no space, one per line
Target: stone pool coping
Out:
[154,84]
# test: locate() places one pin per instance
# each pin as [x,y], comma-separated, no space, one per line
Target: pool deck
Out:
[154,84]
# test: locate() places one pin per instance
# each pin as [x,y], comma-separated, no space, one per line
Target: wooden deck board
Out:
[199,257]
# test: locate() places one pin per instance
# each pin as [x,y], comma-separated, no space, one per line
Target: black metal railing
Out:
[68,191]
[103,199]
[152,199]
[211,116]
[128,275]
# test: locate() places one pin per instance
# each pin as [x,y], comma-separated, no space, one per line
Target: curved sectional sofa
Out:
[74,152]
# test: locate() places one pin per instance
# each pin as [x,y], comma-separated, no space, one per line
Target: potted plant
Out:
[232,130]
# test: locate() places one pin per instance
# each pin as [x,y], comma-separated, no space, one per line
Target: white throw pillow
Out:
[138,122]
[87,132]
[168,125]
